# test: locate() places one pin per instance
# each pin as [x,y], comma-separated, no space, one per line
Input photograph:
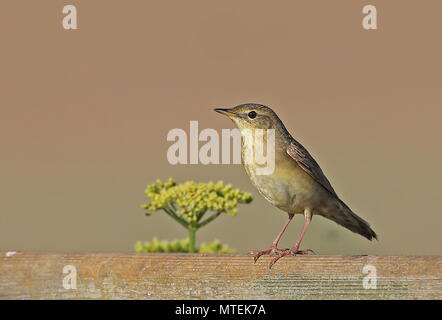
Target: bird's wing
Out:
[309,165]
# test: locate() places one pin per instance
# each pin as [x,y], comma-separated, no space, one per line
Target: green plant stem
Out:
[192,242]
[176,217]
[209,219]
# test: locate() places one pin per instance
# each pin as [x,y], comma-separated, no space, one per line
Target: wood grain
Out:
[197,276]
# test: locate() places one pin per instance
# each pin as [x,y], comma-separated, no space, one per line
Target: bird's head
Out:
[251,116]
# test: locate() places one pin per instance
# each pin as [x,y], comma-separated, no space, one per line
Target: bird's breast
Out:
[289,187]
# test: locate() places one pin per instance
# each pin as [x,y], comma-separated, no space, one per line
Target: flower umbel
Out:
[180,246]
[188,203]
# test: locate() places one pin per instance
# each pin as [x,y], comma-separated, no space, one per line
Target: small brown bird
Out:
[297,184]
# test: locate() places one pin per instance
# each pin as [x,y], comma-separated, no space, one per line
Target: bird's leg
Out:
[274,247]
[295,249]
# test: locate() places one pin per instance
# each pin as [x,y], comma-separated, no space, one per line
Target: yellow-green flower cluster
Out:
[162,246]
[180,246]
[191,200]
[215,247]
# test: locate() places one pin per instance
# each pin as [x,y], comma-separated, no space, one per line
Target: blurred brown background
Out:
[85,113]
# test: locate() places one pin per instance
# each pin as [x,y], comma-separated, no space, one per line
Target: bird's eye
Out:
[252,114]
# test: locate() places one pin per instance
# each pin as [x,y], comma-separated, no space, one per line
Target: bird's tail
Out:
[348,219]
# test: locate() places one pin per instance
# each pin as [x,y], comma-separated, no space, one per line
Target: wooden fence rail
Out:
[197,276]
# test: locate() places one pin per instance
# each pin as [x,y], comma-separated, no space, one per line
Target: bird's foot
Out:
[257,254]
[287,252]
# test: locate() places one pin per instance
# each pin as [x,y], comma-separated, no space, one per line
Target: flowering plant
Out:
[189,203]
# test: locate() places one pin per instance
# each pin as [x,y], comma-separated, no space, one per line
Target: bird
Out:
[297,184]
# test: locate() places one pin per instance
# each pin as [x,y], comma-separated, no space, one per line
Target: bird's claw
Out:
[289,252]
[280,253]
[306,251]
[258,254]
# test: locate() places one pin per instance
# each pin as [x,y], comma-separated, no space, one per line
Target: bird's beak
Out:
[226,112]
